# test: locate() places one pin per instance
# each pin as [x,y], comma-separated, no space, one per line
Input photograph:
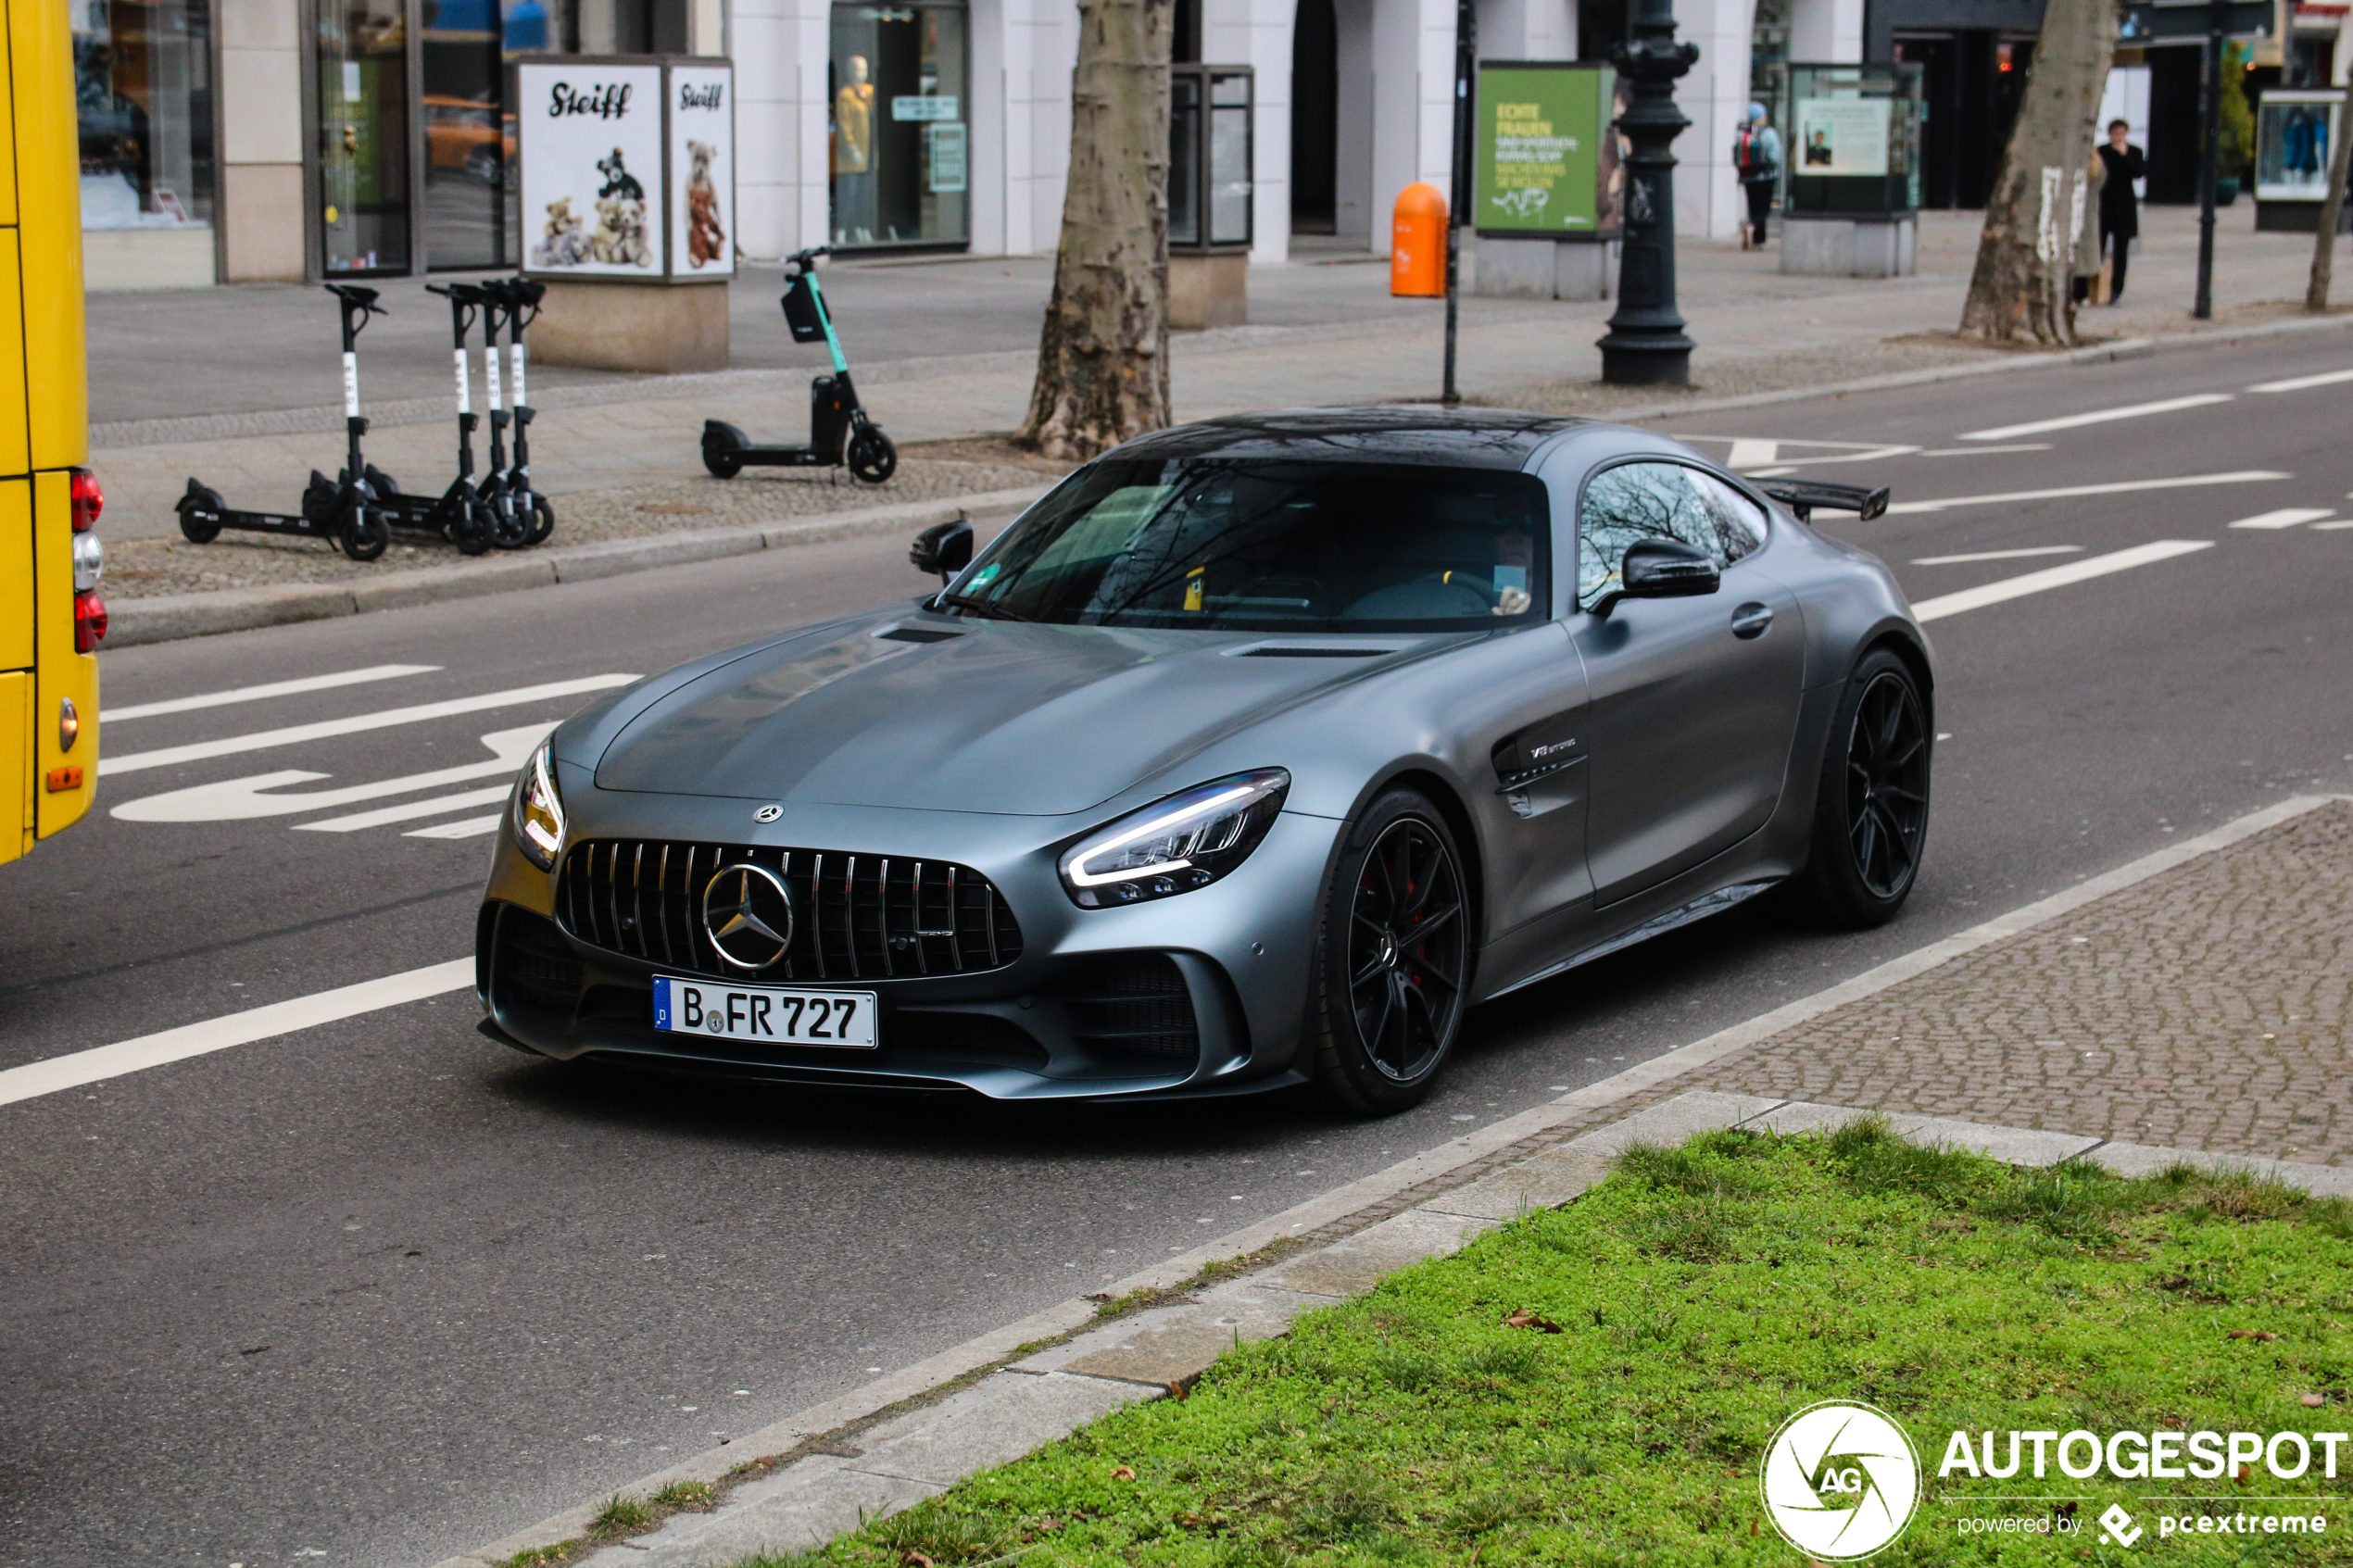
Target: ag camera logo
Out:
[1840,1480]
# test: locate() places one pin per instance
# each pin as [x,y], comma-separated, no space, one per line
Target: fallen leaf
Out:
[2264,1335]
[913,1559]
[2316,1401]
[2173,1422]
[1125,1472]
[1522,1318]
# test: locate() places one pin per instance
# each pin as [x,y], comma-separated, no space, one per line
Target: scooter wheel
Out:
[871,457]
[200,531]
[543,519]
[364,533]
[470,530]
[723,465]
[510,524]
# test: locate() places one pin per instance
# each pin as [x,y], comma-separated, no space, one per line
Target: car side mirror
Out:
[1662,568]
[944,547]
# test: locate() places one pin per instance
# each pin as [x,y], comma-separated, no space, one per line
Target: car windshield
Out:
[1272,546]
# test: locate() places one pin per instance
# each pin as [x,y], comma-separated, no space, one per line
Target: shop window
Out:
[143,88]
[469,139]
[897,102]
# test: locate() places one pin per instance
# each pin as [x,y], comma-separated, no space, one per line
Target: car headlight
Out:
[1176,844]
[539,811]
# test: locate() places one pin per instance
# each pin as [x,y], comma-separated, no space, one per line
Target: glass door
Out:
[363,210]
[898,101]
[466,137]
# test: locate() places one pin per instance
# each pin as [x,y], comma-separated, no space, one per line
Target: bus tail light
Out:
[89,499]
[89,622]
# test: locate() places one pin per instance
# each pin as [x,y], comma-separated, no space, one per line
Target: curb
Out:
[992,1354]
[171,617]
[2096,354]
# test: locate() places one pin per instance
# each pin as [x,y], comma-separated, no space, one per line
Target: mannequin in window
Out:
[854,155]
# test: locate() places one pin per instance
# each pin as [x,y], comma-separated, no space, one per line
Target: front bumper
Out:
[1201,993]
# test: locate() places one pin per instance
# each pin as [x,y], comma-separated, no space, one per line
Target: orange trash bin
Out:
[1418,243]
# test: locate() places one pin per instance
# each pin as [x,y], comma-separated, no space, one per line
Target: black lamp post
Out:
[1646,346]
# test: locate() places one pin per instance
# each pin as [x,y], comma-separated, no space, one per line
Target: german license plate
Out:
[844,1020]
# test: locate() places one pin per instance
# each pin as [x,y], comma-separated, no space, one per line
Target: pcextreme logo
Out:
[1840,1480]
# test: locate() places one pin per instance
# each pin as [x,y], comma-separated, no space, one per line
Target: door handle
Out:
[1751,620]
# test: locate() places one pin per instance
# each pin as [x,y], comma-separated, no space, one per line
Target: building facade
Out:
[249,140]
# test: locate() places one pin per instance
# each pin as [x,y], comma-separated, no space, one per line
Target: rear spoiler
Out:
[1801,495]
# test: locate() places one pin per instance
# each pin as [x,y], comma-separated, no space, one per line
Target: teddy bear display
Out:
[567,244]
[706,240]
[620,239]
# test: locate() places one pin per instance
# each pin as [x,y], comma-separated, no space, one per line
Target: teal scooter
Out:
[840,432]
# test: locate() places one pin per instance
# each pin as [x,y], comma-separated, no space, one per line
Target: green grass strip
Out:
[1703,1295]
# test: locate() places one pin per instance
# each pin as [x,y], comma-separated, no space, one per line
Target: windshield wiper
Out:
[980,606]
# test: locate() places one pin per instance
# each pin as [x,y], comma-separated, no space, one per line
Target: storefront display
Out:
[589,147]
[362,55]
[898,107]
[1852,135]
[143,85]
[702,170]
[1546,158]
[467,139]
[1210,131]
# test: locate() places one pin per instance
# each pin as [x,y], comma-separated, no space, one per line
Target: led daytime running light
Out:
[539,811]
[1203,809]
[1176,844]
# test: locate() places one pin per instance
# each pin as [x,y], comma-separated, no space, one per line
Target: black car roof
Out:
[1485,438]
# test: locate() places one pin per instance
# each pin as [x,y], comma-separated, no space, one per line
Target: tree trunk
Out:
[2023,289]
[2316,292]
[1102,358]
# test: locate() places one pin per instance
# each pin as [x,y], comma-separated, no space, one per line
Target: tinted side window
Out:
[1638,501]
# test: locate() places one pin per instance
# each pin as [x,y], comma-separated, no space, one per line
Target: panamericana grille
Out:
[855,917]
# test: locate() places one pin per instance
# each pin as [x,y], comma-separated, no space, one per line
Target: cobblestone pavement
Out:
[2204,1008]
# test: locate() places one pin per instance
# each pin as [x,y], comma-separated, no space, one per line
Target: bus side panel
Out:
[16,455]
[64,674]
[49,226]
[16,779]
[16,581]
[7,137]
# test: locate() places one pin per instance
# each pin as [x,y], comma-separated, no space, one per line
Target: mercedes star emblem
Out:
[747,913]
[767,813]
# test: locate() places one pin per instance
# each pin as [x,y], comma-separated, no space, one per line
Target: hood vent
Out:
[917,634]
[1294,650]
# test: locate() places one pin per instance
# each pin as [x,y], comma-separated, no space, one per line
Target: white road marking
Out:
[236,800]
[472,827]
[2120,487]
[1999,555]
[101,1062]
[2055,577]
[262,693]
[295,734]
[2286,517]
[2298,383]
[412,809]
[1982,451]
[1750,454]
[2332,527]
[2099,417]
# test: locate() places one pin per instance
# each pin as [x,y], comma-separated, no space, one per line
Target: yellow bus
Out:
[51,618]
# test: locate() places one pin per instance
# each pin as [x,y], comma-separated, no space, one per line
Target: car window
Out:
[1638,501]
[1281,545]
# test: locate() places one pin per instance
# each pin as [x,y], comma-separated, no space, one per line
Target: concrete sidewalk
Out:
[2036,1038]
[1328,334]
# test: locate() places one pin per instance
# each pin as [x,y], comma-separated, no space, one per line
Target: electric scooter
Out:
[459,513]
[532,517]
[839,432]
[344,511]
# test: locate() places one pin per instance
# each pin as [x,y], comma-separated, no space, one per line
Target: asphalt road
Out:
[381,1291]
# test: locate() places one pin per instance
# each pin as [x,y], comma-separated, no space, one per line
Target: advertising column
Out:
[627,194]
[1547,161]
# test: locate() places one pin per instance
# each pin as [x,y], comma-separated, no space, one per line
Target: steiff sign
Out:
[626,167]
[1546,153]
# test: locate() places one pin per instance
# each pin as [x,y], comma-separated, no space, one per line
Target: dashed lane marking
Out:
[2298,383]
[2055,577]
[100,1063]
[2286,517]
[2117,487]
[472,827]
[409,812]
[295,734]
[1999,555]
[1982,451]
[264,693]
[2100,416]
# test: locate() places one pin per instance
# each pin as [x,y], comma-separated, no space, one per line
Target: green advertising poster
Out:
[1547,156]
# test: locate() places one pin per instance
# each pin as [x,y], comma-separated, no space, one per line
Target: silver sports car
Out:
[1250,755]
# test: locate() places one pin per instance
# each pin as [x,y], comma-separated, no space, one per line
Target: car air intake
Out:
[536,967]
[855,917]
[1136,1004]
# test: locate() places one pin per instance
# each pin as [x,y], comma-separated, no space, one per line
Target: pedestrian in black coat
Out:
[2119,214]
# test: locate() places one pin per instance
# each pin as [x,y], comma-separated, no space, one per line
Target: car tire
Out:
[1870,809]
[1392,955]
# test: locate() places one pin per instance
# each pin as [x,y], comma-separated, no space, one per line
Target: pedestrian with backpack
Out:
[1757,158]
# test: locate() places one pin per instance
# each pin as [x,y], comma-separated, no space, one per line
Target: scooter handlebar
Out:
[805,259]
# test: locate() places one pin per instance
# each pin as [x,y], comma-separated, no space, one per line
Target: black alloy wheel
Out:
[1871,815]
[1395,957]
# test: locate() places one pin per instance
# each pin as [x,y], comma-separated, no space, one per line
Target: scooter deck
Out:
[785,458]
[269,522]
